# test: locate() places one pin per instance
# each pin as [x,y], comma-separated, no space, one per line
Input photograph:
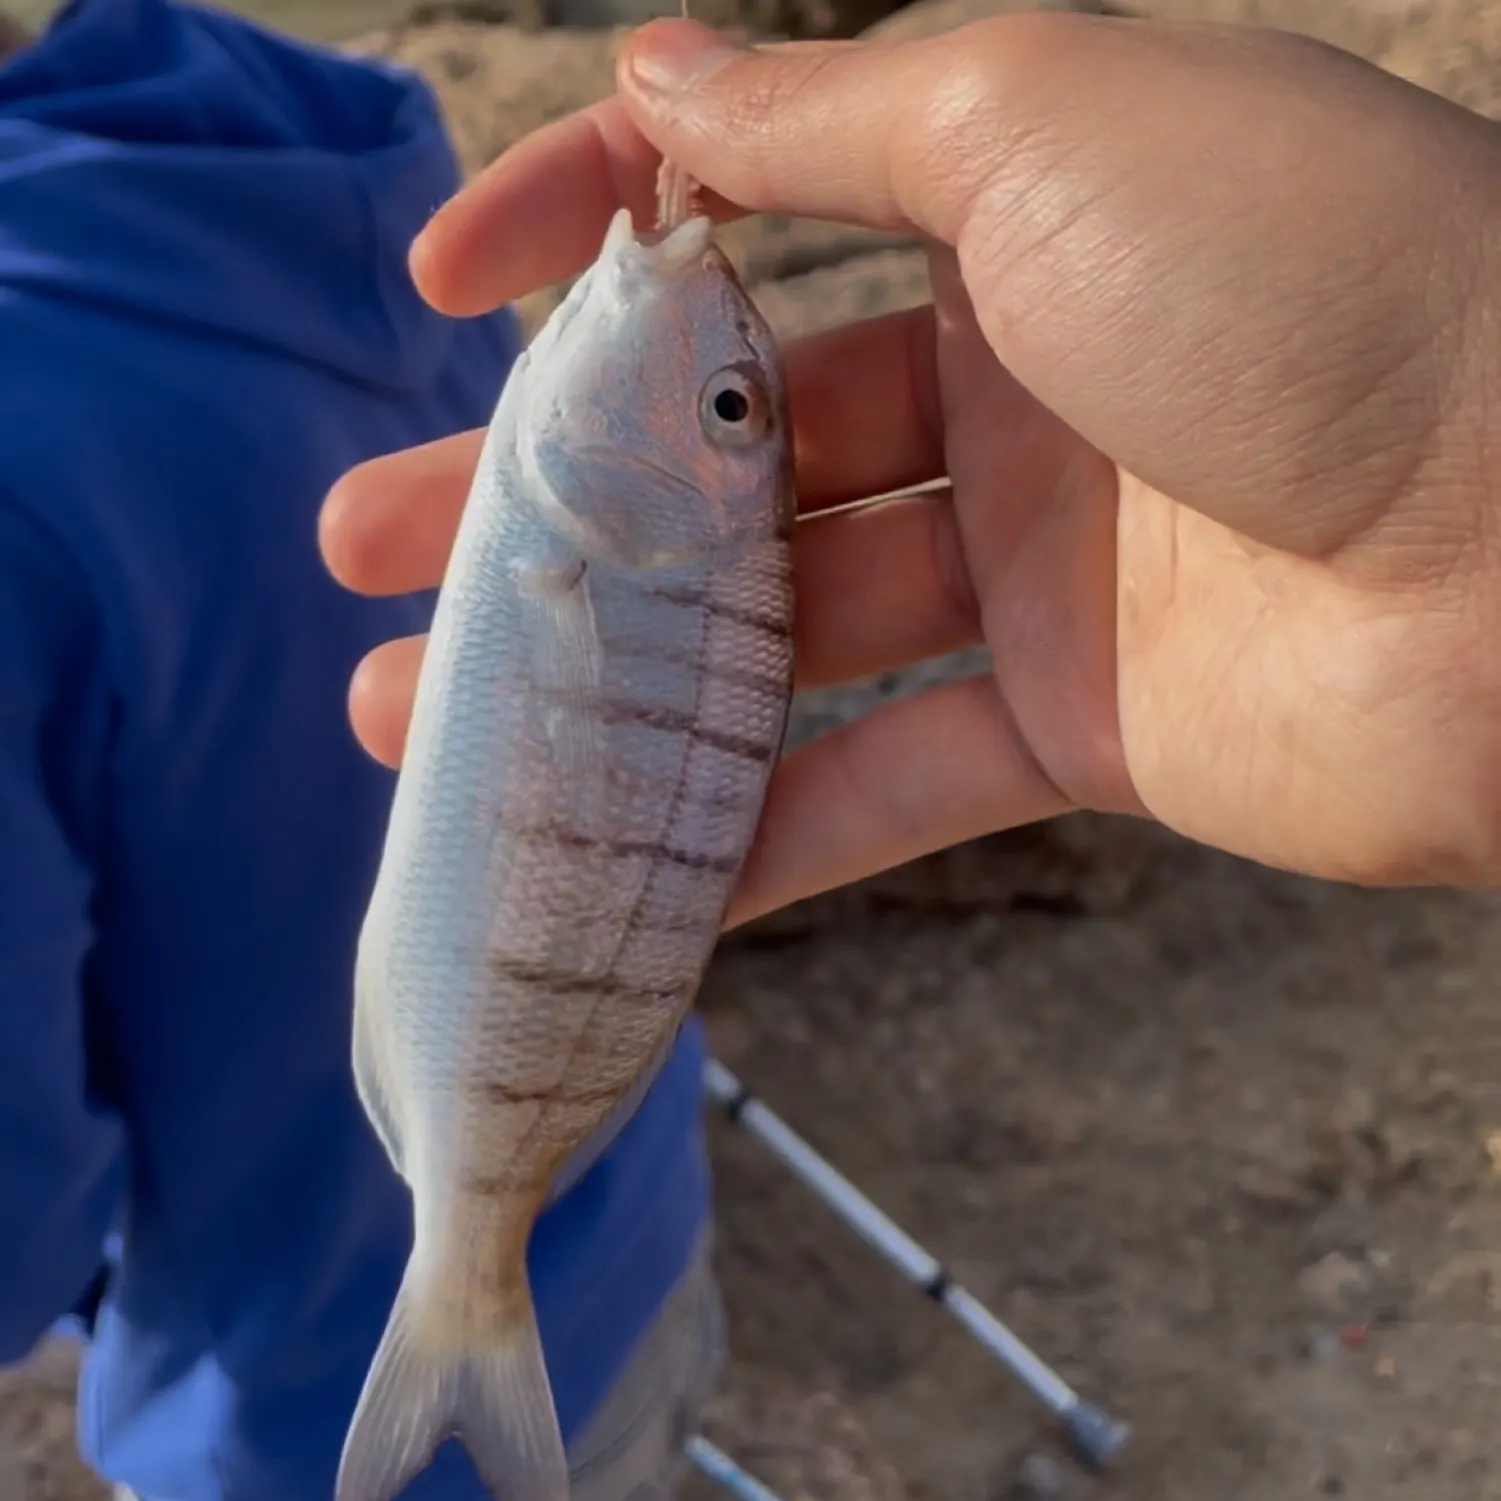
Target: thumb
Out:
[847,131]
[1240,264]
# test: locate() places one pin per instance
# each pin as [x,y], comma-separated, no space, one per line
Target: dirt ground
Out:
[1223,1144]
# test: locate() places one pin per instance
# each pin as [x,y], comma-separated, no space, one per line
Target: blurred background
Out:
[327,20]
[1223,1144]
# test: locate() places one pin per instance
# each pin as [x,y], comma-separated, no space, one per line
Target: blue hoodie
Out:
[205,318]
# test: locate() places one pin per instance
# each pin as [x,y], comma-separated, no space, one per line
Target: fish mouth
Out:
[630,263]
[653,249]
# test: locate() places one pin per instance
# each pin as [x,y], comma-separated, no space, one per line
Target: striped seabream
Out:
[603,698]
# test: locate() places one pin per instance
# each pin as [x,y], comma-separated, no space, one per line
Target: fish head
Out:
[655,427]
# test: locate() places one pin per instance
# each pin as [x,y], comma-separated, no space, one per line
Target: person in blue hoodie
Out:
[205,319]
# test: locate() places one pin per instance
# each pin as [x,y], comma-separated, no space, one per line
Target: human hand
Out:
[1211,369]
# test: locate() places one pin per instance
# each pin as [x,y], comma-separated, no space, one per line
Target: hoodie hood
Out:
[177,163]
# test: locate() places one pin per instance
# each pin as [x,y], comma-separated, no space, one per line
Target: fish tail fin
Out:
[497,1401]
[506,1419]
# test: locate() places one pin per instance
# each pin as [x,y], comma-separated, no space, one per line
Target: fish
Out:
[601,704]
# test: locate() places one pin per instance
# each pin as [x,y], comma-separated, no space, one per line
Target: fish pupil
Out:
[731,405]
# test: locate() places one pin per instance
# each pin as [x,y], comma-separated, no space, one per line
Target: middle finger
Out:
[865,422]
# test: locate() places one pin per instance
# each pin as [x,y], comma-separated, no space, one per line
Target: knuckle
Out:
[994,132]
[771,99]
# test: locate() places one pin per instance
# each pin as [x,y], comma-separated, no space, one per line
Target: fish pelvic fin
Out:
[494,1397]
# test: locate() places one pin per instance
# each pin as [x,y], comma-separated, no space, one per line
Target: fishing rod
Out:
[1095,1437]
[718,1466]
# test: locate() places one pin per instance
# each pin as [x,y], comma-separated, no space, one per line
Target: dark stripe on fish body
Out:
[674,722]
[560,837]
[775,626]
[709,666]
[500,1093]
[771,684]
[571,982]
[564,981]
[667,854]
[505,1184]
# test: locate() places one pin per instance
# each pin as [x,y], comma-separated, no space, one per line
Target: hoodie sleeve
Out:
[61,1149]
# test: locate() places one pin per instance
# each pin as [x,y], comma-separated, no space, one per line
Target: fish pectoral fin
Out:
[566,669]
[496,1401]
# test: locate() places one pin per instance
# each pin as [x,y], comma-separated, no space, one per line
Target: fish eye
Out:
[733,408]
[731,405]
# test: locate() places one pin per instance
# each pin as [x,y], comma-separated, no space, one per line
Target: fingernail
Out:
[671,56]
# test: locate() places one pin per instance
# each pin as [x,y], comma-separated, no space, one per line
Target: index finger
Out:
[538,213]
[865,132]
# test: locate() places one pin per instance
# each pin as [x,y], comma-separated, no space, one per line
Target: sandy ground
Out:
[1224,1144]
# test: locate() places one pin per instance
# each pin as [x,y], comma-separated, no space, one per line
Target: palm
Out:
[1154,660]
[1276,705]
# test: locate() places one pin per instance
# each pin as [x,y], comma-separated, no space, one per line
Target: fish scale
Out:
[599,710]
